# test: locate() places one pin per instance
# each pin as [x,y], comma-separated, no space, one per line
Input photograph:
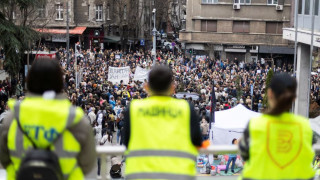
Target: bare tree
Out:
[211,49]
[162,7]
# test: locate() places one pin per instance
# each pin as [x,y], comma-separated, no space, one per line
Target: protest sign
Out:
[116,74]
[141,74]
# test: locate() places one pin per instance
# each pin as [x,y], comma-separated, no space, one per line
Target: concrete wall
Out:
[258,13]
[224,26]
[233,38]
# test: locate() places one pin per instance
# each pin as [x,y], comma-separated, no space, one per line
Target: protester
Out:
[204,128]
[232,158]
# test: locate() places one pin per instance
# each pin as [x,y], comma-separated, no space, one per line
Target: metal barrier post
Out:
[103,170]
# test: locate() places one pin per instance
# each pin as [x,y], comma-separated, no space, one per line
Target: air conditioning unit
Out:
[279,7]
[236,6]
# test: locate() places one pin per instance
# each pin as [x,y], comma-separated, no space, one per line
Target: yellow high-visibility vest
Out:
[44,120]
[160,143]
[280,148]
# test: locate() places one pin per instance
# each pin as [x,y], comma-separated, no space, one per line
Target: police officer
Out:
[44,115]
[161,133]
[278,144]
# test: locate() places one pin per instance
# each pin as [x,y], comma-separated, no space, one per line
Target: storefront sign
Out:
[218,48]
[59,38]
[51,56]
[236,47]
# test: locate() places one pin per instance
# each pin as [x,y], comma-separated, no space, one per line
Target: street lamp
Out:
[154,31]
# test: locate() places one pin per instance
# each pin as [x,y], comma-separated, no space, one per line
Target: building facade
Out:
[243,29]
[308,49]
[104,23]
[93,23]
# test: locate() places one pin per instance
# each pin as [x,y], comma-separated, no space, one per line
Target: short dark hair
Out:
[160,79]
[234,140]
[45,75]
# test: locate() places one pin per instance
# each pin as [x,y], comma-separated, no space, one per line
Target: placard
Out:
[141,74]
[116,74]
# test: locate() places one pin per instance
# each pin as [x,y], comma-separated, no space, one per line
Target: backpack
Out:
[115,171]
[39,164]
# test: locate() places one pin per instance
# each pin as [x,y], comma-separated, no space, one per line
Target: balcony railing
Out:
[105,152]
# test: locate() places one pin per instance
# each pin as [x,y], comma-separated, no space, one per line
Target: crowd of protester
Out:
[235,82]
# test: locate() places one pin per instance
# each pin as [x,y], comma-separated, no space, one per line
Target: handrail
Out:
[107,151]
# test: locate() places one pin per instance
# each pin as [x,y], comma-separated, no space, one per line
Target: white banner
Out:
[116,74]
[141,74]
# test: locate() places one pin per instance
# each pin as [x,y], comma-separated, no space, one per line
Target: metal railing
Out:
[105,152]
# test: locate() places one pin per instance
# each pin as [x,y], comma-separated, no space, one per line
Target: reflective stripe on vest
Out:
[277,179]
[163,153]
[66,152]
[160,145]
[280,148]
[159,176]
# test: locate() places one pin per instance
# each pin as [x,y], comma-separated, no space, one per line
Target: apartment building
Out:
[244,29]
[94,23]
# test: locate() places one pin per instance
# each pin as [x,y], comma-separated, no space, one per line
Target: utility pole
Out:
[28,58]
[154,31]
[68,35]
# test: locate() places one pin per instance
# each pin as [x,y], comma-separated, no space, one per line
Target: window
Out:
[210,1]
[300,7]
[108,12]
[307,7]
[89,11]
[125,12]
[241,26]
[99,13]
[274,27]
[209,26]
[59,11]
[242,2]
[272,2]
[13,15]
[42,11]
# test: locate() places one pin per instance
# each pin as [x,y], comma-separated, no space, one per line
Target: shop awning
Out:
[112,39]
[76,30]
[276,50]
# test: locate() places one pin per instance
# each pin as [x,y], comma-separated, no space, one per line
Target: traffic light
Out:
[190,51]
[109,28]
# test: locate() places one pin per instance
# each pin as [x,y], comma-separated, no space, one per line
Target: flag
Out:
[251,90]
[213,105]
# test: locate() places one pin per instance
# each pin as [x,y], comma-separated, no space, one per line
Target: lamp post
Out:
[154,32]
[68,35]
